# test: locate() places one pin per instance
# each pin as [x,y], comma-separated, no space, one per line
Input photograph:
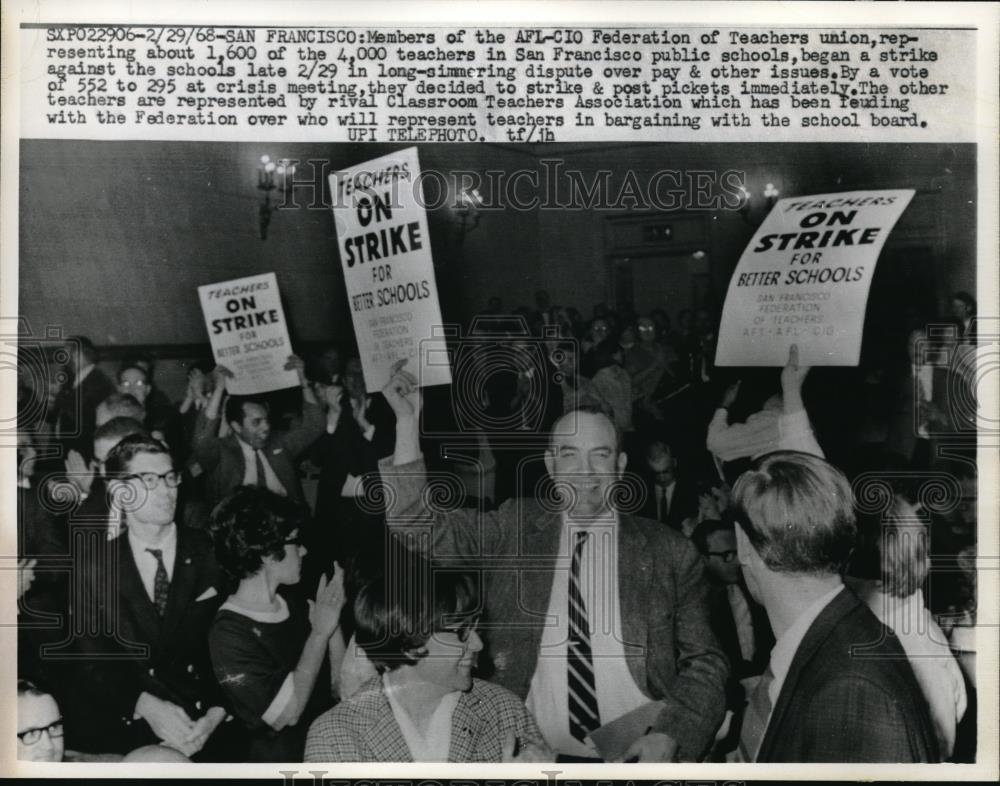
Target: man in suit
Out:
[670,497]
[838,687]
[74,411]
[143,671]
[251,454]
[591,614]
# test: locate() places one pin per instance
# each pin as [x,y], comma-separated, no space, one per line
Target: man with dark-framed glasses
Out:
[39,724]
[149,597]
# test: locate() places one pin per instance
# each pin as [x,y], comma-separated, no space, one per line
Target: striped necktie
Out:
[584,716]
[161,584]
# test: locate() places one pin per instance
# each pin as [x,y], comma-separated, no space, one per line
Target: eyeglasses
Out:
[726,556]
[151,480]
[465,631]
[31,736]
[137,384]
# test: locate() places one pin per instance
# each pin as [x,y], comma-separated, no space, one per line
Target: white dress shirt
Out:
[785,648]
[250,469]
[434,742]
[146,562]
[617,692]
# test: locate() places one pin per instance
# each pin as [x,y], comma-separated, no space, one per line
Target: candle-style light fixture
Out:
[467,209]
[271,176]
[771,194]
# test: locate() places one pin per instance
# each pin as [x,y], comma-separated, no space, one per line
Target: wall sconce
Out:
[468,211]
[272,176]
[771,195]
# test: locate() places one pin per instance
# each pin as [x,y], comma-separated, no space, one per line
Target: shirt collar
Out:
[82,375]
[168,542]
[785,648]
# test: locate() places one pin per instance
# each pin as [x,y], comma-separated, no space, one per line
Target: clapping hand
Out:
[324,611]
[79,472]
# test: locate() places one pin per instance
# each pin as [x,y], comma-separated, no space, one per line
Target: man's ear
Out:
[549,460]
[622,462]
[744,549]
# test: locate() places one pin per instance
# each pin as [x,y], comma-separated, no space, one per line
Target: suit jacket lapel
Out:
[382,734]
[635,572]
[842,604]
[135,601]
[467,724]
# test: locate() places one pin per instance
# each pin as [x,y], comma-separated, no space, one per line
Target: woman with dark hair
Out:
[418,627]
[268,652]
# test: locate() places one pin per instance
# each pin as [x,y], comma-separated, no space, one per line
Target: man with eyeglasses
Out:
[39,724]
[739,623]
[146,675]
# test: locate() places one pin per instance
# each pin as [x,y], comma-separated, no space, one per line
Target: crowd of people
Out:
[593,546]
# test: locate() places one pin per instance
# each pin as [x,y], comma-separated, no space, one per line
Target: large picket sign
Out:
[249,335]
[385,252]
[804,279]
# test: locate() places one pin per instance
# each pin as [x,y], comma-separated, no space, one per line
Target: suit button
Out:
[152,672]
[197,705]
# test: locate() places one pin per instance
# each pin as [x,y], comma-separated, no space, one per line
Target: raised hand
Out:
[402,392]
[79,472]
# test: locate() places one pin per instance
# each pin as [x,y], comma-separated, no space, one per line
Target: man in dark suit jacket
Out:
[252,454]
[838,687]
[665,648]
[142,668]
[669,496]
[74,412]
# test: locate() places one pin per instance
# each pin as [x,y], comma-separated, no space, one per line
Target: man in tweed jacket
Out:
[665,641]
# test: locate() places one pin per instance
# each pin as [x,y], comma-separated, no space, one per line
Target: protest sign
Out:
[804,279]
[249,336]
[385,253]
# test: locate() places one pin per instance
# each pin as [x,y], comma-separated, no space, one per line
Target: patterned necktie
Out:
[161,584]
[664,501]
[584,716]
[757,715]
[261,475]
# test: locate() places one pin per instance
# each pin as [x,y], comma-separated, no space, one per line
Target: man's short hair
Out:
[967,299]
[126,365]
[118,428]
[705,529]
[797,512]
[234,407]
[591,406]
[250,524]
[30,688]
[88,352]
[123,405]
[120,458]
[397,613]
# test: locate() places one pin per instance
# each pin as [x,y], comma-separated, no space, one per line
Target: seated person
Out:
[39,724]
[424,705]
[267,653]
